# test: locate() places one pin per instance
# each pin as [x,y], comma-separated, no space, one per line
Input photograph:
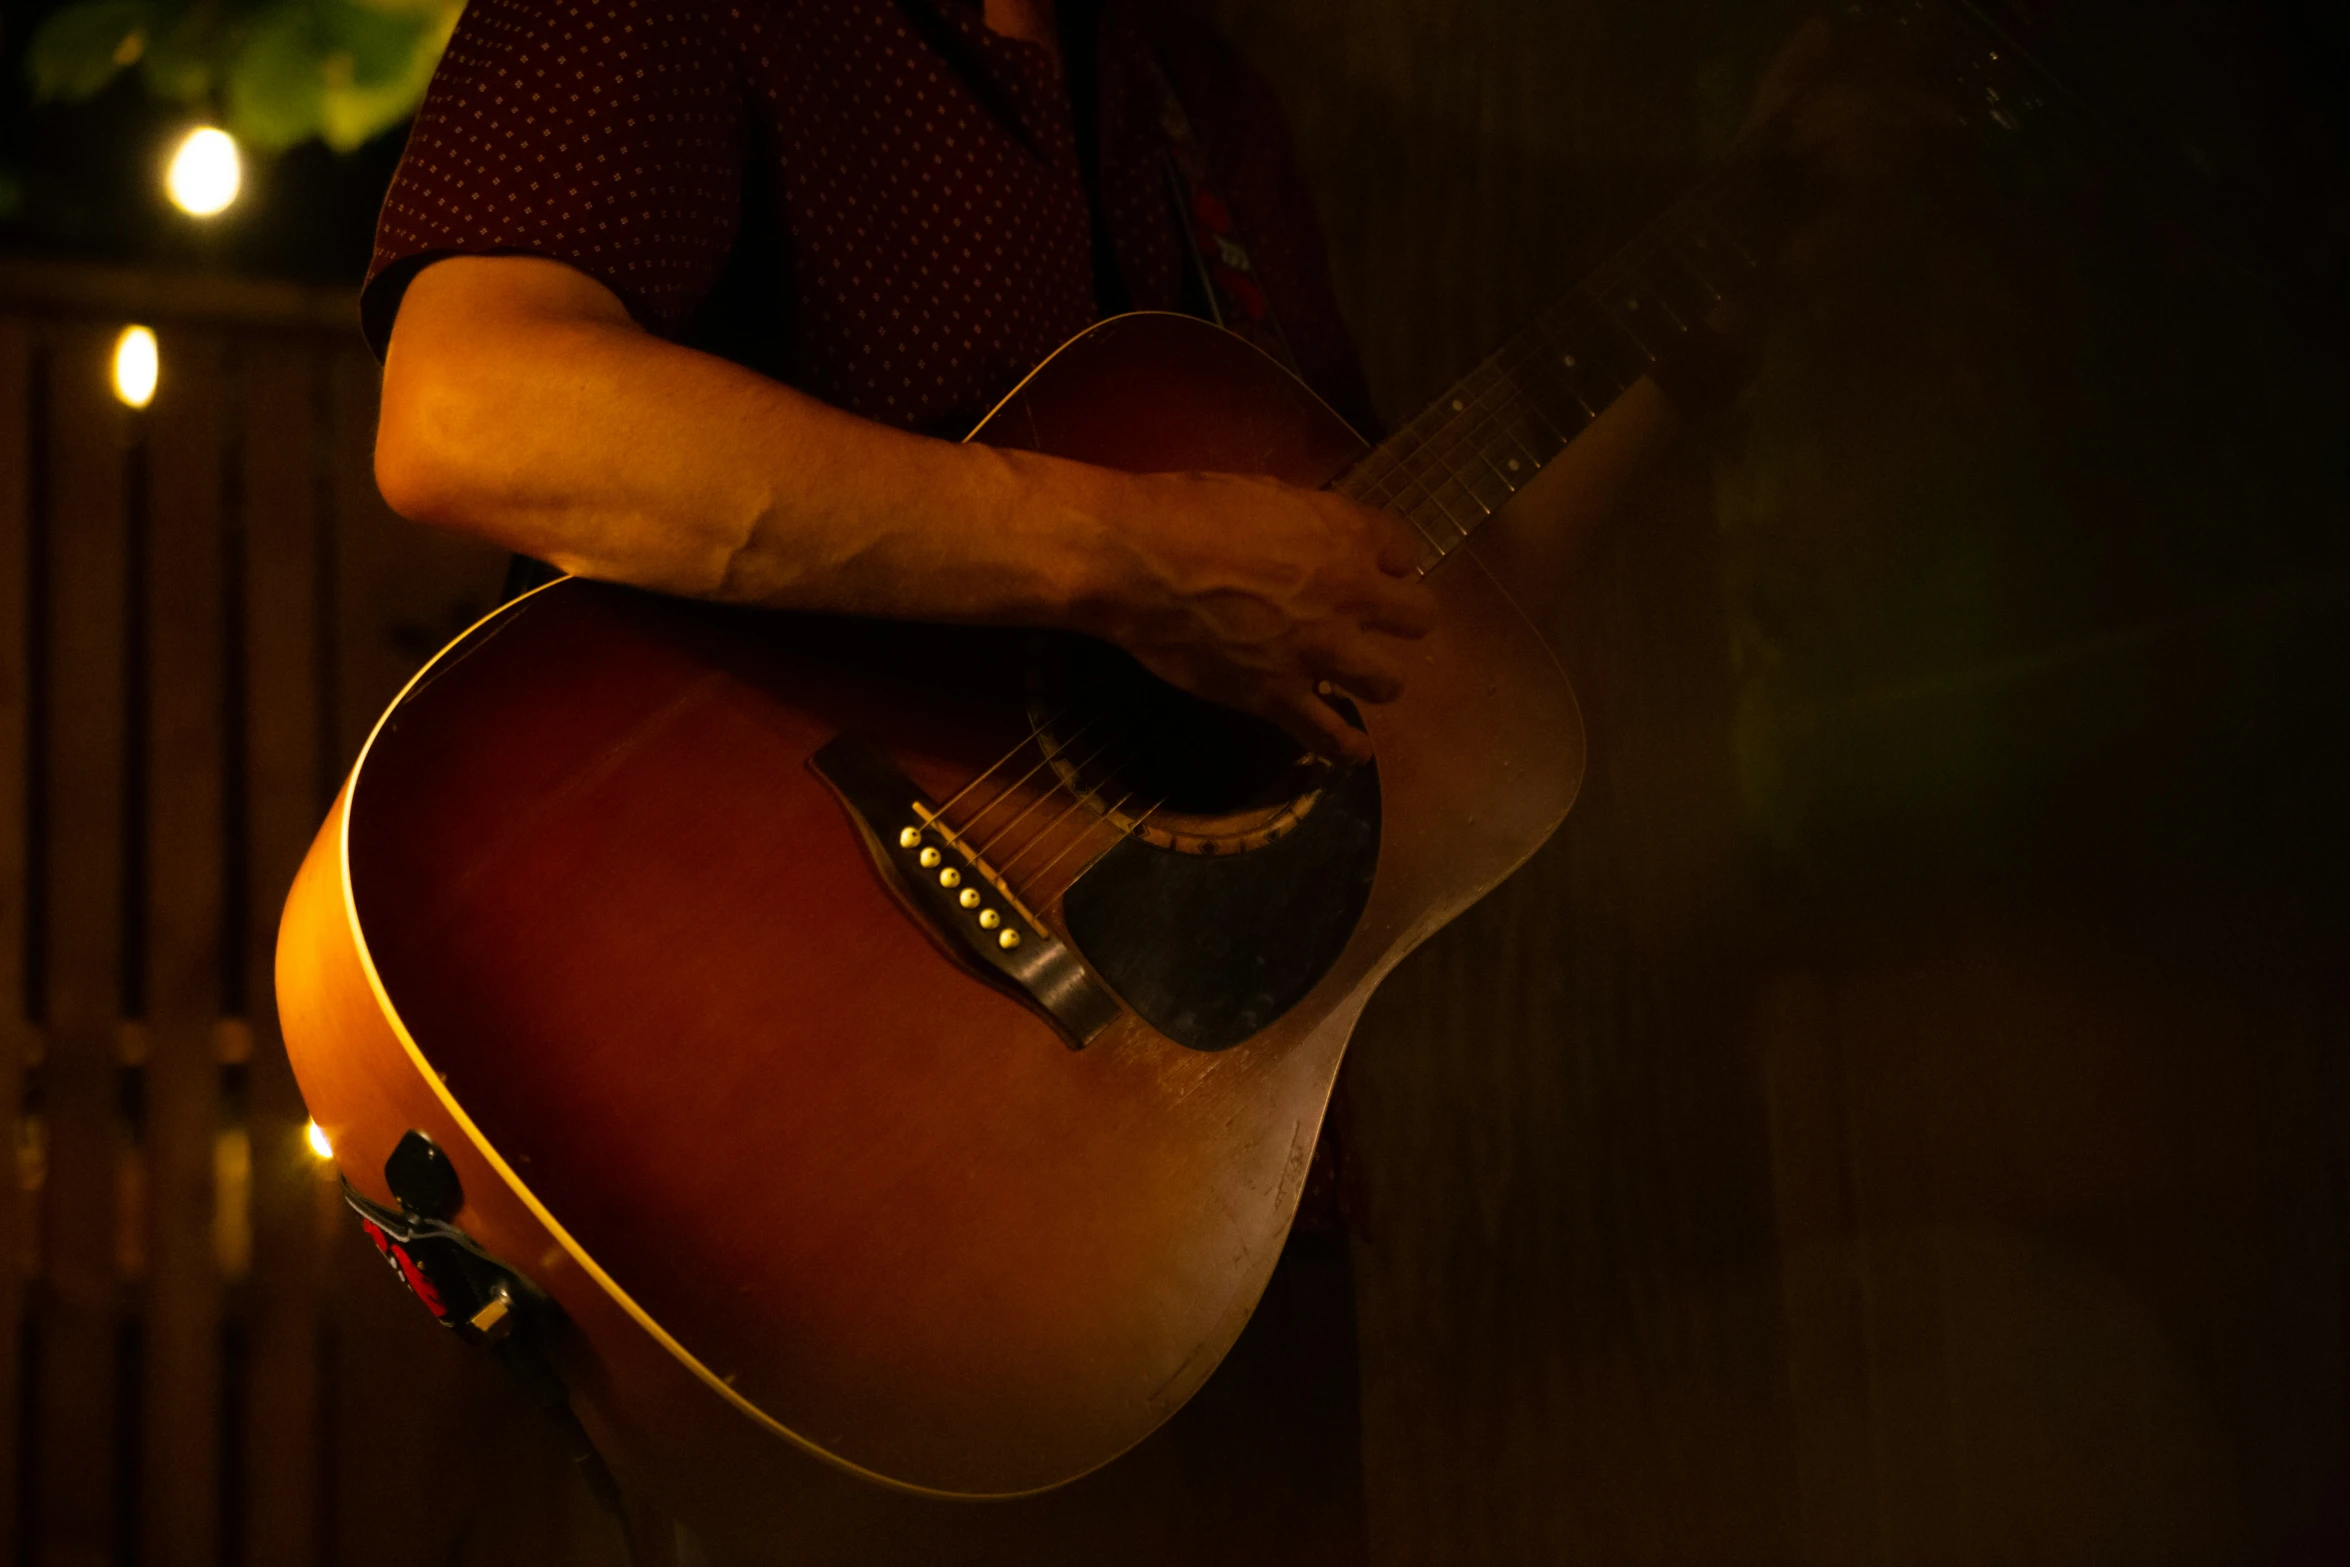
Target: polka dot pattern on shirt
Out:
[880,201]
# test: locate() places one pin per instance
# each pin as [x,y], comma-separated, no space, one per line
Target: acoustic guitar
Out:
[902,1046]
[907,1042]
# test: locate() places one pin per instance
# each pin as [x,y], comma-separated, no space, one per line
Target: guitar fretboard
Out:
[1473,448]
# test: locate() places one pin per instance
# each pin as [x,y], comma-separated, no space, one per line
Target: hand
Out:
[1253,593]
[1847,114]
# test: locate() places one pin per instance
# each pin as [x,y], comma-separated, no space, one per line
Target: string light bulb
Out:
[319,1144]
[136,366]
[205,172]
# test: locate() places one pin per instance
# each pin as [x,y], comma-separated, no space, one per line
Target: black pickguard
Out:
[1212,949]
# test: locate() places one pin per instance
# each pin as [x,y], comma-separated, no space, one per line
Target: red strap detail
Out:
[1209,208]
[1243,289]
[418,1282]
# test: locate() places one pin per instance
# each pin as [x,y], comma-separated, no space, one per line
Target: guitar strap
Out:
[1220,260]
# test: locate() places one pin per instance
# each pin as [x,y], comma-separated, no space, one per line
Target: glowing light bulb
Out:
[318,1141]
[205,172]
[136,365]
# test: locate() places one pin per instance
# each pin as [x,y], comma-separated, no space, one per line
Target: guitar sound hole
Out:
[1166,766]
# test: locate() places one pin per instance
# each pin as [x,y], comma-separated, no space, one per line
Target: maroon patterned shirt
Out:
[881,202]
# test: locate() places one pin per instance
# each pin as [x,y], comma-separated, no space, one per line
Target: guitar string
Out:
[1567,318]
[1441,449]
[1041,734]
[1078,797]
[1407,467]
[1059,783]
[1709,211]
[938,813]
[1037,876]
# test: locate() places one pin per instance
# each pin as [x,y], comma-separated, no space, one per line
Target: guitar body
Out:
[820,1195]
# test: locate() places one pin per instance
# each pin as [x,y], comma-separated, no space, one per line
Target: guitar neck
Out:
[1474,447]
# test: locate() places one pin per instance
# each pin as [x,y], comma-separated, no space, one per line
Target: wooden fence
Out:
[203,606]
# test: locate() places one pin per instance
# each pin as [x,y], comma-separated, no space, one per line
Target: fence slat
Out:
[284,768]
[76,1459]
[15,607]
[180,1426]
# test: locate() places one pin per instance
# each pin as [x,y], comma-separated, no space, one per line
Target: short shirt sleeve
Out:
[604,134]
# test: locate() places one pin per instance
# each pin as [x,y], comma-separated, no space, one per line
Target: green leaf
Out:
[182,58]
[357,114]
[380,45]
[277,84]
[81,48]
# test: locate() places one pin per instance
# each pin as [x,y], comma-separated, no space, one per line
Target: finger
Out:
[1314,724]
[1400,546]
[1366,670]
[1398,608]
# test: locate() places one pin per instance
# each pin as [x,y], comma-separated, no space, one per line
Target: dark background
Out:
[1905,1116]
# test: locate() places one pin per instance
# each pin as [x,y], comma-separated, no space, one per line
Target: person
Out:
[698,298]
[573,370]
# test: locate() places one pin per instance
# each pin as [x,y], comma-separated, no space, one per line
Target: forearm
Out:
[555,427]
[523,405]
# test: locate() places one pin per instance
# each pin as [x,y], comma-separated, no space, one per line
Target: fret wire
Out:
[1705,297]
[1473,479]
[1405,442]
[1373,466]
[1408,503]
[1391,502]
[1420,496]
[1723,231]
[1423,440]
[1734,259]
[1426,537]
[1636,290]
[1436,495]
[1545,369]
[1499,477]
[1542,360]
[1713,290]
[1615,318]
[1502,442]
[1500,424]
[1485,411]
[1494,419]
[1534,406]
[1509,396]
[1525,450]
[1441,442]
[1449,521]
[1515,425]
[1467,494]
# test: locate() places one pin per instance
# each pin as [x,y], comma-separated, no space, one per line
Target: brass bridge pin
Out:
[950,877]
[909,837]
[989,919]
[929,859]
[968,897]
[1008,940]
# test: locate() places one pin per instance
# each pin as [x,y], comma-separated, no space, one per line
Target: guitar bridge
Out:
[962,900]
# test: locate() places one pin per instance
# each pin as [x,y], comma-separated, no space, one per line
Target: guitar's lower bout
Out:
[806,1184]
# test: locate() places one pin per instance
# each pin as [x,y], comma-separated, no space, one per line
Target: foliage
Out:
[275,72]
